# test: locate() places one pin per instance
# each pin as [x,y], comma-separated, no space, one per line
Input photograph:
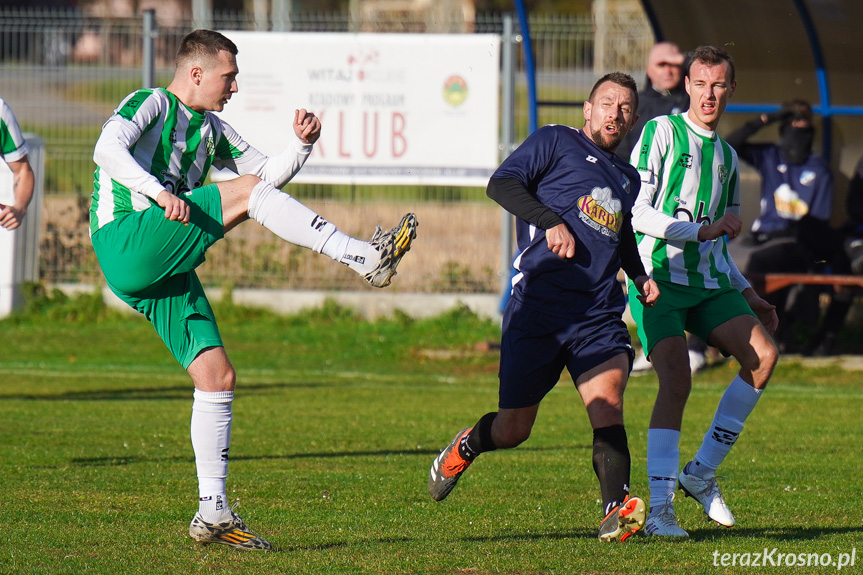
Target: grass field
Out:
[336,423]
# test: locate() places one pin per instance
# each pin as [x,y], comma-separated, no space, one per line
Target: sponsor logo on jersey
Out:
[723,174]
[807,177]
[789,204]
[601,211]
[591,159]
[685,161]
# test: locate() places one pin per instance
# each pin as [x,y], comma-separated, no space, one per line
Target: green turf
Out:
[336,423]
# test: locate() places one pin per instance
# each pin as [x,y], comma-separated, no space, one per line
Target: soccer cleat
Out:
[623,520]
[662,522]
[232,532]
[447,468]
[706,492]
[392,246]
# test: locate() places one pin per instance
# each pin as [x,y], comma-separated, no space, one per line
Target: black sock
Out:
[479,439]
[611,464]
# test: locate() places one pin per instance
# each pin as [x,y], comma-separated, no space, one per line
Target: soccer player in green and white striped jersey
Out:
[687,205]
[152,221]
[14,152]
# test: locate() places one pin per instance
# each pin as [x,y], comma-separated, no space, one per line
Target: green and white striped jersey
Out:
[154,142]
[689,178]
[13,147]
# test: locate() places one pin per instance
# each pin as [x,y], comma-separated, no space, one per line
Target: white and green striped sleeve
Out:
[120,134]
[235,154]
[13,147]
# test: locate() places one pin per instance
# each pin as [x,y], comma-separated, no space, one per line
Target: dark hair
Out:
[800,110]
[712,56]
[619,78]
[206,43]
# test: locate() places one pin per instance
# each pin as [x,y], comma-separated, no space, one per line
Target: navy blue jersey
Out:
[788,192]
[593,191]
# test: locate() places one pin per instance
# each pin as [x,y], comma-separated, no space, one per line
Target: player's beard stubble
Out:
[605,141]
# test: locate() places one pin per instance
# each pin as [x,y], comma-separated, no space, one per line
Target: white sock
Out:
[287,218]
[736,404]
[293,222]
[358,255]
[663,463]
[211,437]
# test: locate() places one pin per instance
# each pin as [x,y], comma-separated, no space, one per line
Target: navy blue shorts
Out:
[535,347]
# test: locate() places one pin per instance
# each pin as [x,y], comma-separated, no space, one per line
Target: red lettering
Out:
[318,149]
[342,152]
[374,147]
[399,142]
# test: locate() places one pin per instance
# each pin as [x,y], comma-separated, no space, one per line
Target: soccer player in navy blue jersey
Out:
[572,198]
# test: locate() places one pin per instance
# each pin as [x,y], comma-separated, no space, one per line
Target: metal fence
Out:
[63,73]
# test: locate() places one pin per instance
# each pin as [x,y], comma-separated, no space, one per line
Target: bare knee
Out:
[211,370]
[760,363]
[228,379]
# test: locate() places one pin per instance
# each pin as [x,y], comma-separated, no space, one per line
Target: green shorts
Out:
[149,262]
[682,308]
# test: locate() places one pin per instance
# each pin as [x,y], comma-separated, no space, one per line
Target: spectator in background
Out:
[846,249]
[15,154]
[791,232]
[663,93]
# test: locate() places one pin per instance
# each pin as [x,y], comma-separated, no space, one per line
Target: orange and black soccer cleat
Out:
[623,520]
[447,468]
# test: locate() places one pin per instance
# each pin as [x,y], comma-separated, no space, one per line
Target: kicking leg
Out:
[376,260]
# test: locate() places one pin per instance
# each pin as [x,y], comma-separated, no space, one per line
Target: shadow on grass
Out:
[784,534]
[134,460]
[152,393]
[344,544]
[779,533]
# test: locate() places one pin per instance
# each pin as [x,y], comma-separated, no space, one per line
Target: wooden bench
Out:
[768,283]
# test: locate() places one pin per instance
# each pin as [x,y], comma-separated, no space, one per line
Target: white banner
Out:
[395,108]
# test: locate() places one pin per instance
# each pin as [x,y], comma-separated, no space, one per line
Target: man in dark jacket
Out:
[663,93]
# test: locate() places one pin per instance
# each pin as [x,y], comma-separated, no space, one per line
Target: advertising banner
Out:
[395,108]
